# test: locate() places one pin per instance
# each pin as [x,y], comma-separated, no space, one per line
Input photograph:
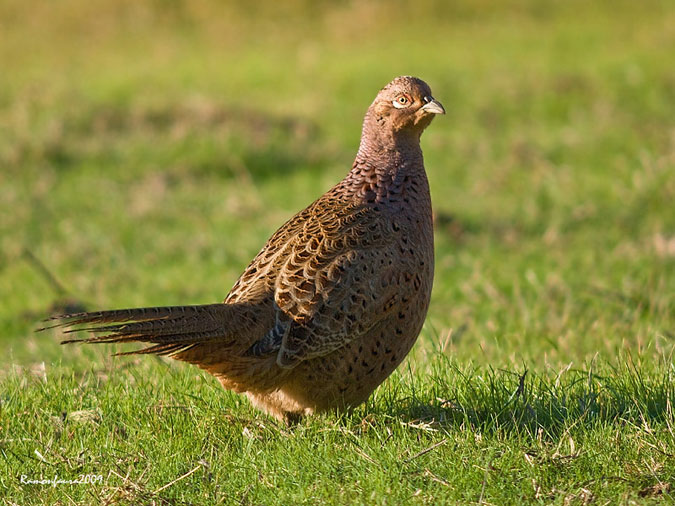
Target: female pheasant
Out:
[337,296]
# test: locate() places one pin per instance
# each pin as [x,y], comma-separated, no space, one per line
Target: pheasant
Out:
[337,296]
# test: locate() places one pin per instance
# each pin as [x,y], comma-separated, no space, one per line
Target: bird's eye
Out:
[401,102]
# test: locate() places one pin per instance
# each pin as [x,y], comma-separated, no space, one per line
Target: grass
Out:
[148,151]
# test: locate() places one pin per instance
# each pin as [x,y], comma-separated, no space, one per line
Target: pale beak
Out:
[432,106]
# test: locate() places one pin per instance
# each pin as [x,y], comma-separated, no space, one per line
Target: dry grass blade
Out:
[182,477]
[427,450]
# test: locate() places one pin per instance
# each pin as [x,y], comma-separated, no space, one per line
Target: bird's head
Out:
[404,106]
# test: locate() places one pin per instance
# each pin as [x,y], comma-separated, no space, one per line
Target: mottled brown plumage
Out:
[337,296]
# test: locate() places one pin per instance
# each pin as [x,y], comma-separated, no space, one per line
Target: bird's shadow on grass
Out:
[541,405]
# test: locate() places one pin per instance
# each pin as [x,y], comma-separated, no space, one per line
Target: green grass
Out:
[148,151]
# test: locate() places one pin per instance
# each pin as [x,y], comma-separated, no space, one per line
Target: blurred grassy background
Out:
[148,149]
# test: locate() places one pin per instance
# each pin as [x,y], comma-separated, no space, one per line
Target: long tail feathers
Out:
[171,329]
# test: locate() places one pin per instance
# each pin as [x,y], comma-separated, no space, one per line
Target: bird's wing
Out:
[333,277]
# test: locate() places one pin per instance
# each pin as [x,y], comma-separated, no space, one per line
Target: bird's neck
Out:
[386,156]
[388,168]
